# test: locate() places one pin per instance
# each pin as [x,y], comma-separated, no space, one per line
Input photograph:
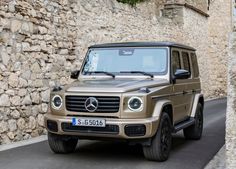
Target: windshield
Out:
[120,61]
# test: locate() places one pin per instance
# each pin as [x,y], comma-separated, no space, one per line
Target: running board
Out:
[184,124]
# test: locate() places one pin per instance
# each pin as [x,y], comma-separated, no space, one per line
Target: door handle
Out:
[185,92]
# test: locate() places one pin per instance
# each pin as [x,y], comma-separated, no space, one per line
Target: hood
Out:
[114,85]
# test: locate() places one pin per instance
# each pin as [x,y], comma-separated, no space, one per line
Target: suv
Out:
[141,92]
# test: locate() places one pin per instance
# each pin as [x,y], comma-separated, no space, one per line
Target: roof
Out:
[143,44]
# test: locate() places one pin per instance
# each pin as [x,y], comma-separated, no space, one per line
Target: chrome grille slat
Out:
[101,107]
[109,103]
[106,104]
[75,101]
[76,98]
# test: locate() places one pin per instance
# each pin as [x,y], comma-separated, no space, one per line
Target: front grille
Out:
[106,104]
[108,129]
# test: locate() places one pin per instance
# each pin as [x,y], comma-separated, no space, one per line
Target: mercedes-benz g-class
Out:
[140,92]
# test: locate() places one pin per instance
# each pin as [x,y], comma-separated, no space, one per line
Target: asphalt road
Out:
[107,155]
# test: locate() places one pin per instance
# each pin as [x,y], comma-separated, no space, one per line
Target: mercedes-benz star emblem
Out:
[91,104]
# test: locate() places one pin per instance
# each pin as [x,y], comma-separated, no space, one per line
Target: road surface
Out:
[107,155]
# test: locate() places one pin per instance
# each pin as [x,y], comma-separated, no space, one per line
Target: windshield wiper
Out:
[102,72]
[144,73]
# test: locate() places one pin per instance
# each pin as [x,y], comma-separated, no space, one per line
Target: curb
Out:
[212,99]
[218,161]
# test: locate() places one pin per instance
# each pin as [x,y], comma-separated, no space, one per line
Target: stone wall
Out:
[231,100]
[231,107]
[218,32]
[42,41]
[37,51]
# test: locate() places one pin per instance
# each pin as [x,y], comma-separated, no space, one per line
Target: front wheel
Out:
[194,132]
[161,142]
[61,144]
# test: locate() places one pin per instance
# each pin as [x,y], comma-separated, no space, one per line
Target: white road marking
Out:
[23,143]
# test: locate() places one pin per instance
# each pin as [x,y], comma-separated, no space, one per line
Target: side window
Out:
[195,65]
[176,64]
[186,62]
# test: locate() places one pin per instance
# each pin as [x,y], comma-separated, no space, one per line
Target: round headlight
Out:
[135,104]
[56,102]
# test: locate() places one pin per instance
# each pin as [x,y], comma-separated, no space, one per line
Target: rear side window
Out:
[176,64]
[186,62]
[195,65]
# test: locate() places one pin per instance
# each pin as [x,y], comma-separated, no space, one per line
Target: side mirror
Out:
[75,74]
[182,74]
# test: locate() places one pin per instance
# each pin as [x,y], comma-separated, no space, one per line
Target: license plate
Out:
[90,122]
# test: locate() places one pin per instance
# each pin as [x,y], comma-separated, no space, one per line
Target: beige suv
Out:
[141,92]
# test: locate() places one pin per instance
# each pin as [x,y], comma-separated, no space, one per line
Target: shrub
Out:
[131,2]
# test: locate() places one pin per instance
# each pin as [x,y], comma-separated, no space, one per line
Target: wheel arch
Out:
[199,98]
[169,110]
[163,106]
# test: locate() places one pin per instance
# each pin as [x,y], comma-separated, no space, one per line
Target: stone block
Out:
[12,125]
[4,100]
[3,126]
[13,80]
[15,25]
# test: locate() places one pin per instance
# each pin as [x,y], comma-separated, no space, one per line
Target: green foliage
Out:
[131,2]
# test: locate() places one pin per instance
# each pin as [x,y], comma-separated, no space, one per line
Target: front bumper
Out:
[64,127]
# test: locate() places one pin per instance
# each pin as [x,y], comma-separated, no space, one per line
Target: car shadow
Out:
[112,150]
[109,150]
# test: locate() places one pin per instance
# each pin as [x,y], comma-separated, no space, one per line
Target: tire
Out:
[161,142]
[194,132]
[61,144]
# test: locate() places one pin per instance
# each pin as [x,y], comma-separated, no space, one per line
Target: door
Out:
[189,83]
[177,98]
